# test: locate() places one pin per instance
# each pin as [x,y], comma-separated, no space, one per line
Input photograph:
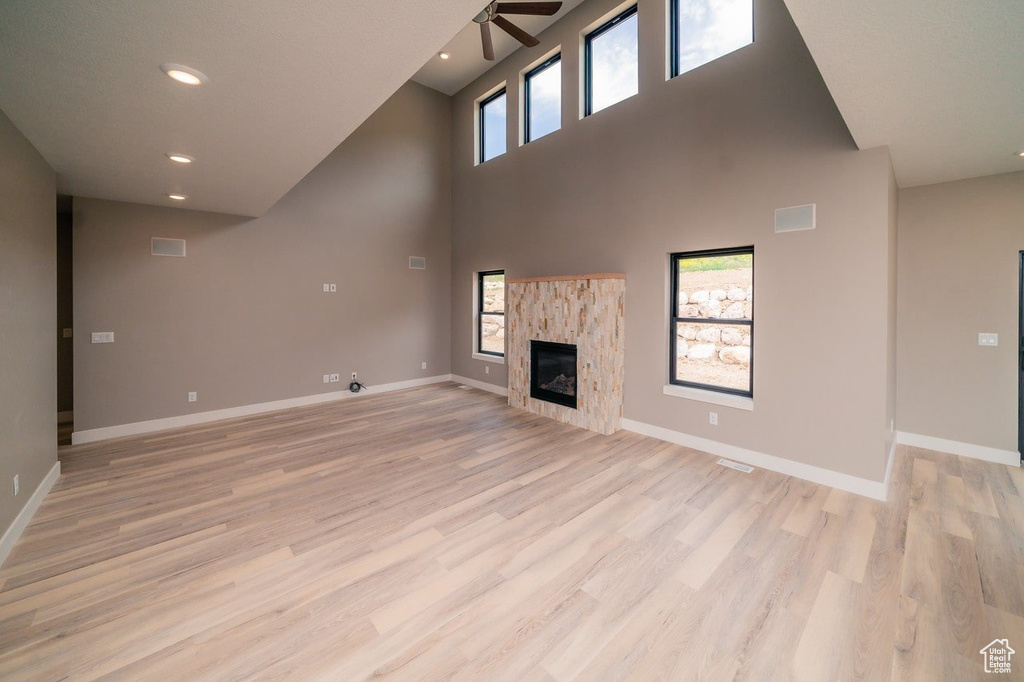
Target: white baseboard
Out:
[953,447]
[861,486]
[65,417]
[483,386]
[136,428]
[23,518]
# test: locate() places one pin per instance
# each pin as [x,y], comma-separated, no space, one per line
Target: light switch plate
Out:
[988,339]
[103,337]
[327,288]
[334,288]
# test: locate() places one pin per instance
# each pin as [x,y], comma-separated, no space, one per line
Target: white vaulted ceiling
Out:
[935,80]
[288,81]
[938,81]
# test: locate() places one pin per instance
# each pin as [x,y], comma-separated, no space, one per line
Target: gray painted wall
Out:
[702,161]
[960,245]
[28,317]
[892,317]
[242,319]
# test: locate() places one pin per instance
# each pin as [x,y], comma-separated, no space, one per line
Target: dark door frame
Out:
[1020,364]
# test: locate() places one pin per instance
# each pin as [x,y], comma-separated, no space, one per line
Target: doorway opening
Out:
[65,324]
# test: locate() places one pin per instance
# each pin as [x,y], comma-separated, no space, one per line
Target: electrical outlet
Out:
[988,339]
[423,366]
[355,376]
[327,288]
[713,418]
[334,288]
[335,378]
[487,369]
[17,485]
[103,337]
[327,378]
[193,396]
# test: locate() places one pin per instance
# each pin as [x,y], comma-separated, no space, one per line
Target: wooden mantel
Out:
[567,278]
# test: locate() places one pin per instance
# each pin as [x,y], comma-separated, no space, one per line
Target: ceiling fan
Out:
[492,15]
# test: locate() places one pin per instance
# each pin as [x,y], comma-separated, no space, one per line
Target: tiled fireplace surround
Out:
[585,310]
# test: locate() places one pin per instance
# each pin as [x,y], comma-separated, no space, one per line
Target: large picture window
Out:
[493,131]
[542,108]
[704,30]
[490,312]
[712,320]
[611,62]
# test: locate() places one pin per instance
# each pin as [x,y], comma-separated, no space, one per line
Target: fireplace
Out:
[553,372]
[585,310]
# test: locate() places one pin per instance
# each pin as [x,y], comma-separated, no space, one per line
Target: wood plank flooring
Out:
[437,534]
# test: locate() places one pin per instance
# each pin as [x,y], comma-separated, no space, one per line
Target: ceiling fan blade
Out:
[485,38]
[544,9]
[514,31]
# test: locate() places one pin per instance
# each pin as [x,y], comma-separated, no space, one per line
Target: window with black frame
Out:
[702,31]
[493,131]
[611,62]
[712,320]
[542,100]
[490,312]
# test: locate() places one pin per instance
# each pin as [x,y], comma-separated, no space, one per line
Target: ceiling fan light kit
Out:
[492,15]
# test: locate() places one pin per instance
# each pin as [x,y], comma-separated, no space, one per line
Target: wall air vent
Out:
[796,218]
[168,247]
[417,263]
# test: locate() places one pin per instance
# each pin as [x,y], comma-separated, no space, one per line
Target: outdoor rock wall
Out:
[715,354]
[731,345]
[492,329]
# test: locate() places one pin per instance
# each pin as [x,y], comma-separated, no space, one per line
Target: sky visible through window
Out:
[708,29]
[613,65]
[494,128]
[546,101]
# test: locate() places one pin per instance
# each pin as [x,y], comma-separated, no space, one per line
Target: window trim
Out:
[673,37]
[550,61]
[674,319]
[588,104]
[503,90]
[480,312]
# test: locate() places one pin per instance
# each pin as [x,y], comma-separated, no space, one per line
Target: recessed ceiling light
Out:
[177,197]
[1021,153]
[444,55]
[184,74]
[180,158]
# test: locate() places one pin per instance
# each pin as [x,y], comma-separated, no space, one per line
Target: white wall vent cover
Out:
[417,263]
[796,218]
[168,247]
[735,465]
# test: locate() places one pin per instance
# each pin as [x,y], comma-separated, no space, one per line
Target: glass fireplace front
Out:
[553,372]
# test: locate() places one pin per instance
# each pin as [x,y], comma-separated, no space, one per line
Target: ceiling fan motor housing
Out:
[485,14]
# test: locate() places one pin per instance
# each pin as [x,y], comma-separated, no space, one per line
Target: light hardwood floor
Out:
[436,533]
